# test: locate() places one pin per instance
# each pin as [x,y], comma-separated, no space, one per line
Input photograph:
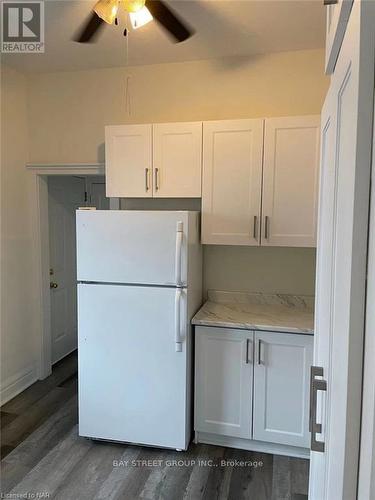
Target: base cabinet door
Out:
[223,381]
[281,385]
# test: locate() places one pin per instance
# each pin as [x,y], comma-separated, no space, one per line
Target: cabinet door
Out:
[336,22]
[177,160]
[232,180]
[223,381]
[128,151]
[281,388]
[290,181]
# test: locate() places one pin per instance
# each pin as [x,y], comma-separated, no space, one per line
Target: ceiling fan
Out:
[140,13]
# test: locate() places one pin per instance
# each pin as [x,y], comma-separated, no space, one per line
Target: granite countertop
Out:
[257,311]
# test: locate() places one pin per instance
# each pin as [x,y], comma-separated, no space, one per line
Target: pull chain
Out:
[128,78]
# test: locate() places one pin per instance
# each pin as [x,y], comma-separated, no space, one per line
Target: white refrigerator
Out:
[139,284]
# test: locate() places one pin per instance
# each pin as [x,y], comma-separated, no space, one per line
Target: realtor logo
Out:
[22,26]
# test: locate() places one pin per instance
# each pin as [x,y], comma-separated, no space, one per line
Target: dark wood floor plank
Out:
[113,487]
[253,479]
[22,426]
[136,485]
[22,403]
[299,470]
[50,473]
[5,450]
[45,454]
[218,481]
[6,418]
[86,479]
[36,446]
[281,478]
[171,479]
[198,478]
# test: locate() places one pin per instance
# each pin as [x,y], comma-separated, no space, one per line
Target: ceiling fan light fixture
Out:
[140,18]
[133,5]
[107,10]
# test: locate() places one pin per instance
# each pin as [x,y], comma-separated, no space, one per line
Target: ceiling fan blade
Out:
[90,29]
[174,26]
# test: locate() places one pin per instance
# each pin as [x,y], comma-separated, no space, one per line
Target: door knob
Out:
[53,285]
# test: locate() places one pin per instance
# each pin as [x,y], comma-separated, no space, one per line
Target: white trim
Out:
[40,231]
[366,478]
[66,168]
[12,386]
[41,256]
[251,445]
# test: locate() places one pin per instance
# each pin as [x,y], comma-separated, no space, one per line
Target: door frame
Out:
[40,249]
[366,476]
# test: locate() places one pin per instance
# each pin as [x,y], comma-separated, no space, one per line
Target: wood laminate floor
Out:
[43,455]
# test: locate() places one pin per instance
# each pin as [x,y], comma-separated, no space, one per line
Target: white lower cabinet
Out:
[252,389]
[281,386]
[223,381]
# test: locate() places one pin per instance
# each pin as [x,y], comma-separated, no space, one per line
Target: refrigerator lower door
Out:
[133,247]
[132,381]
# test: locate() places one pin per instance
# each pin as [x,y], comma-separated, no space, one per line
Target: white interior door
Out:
[290,181]
[177,159]
[65,195]
[341,265]
[132,382]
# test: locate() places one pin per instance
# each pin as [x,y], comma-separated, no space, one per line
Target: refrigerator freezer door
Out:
[139,247]
[132,382]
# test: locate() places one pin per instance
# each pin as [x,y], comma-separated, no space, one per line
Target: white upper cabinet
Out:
[290,181]
[162,160]
[128,160]
[232,180]
[177,160]
[281,388]
[336,21]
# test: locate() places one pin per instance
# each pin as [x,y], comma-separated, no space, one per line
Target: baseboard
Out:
[12,386]
[251,445]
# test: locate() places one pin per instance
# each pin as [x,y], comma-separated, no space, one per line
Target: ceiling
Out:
[224,28]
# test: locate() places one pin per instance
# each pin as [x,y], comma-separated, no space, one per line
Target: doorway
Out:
[65,195]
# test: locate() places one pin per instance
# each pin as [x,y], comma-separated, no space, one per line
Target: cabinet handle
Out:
[255,227]
[156,179]
[146,179]
[315,386]
[266,227]
[260,360]
[249,351]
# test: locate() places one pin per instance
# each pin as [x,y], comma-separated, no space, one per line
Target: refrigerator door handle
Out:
[179,234]
[177,316]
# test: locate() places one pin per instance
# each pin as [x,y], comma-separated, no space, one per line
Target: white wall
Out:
[18,368]
[66,115]
[259,269]
[68,112]
[241,268]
